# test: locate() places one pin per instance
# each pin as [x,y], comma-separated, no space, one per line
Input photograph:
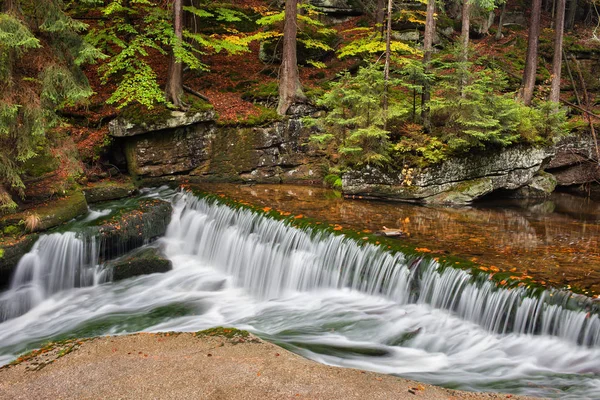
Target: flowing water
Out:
[328,298]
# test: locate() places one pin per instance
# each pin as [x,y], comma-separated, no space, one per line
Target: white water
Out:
[334,301]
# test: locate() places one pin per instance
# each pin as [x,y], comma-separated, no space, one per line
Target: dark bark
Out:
[501,21]
[558,44]
[388,53]
[571,13]
[174,87]
[531,60]
[427,50]
[379,14]
[290,90]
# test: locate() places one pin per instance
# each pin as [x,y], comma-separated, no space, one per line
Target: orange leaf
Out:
[423,250]
[299,216]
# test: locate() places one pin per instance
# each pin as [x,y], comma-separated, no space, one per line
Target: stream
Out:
[328,297]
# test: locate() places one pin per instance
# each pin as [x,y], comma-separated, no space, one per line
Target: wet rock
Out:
[11,251]
[175,119]
[140,262]
[540,186]
[108,190]
[456,181]
[132,228]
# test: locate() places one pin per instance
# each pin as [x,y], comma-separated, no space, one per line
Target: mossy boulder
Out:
[49,214]
[132,228]
[108,190]
[140,262]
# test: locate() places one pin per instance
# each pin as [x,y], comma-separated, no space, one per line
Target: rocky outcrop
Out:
[175,119]
[108,190]
[139,262]
[573,163]
[337,7]
[456,181]
[205,151]
[539,187]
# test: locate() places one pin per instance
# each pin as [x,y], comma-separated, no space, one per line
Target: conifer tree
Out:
[41,52]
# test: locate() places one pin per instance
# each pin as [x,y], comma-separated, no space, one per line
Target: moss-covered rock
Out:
[140,262]
[11,251]
[108,190]
[132,228]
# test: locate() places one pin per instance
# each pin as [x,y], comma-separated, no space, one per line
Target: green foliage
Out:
[483,115]
[312,33]
[41,51]
[333,180]
[366,44]
[354,123]
[137,32]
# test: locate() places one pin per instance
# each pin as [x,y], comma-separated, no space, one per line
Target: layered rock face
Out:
[456,181]
[205,151]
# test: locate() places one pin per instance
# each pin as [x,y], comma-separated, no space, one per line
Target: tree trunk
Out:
[379,15]
[174,87]
[464,32]
[558,43]
[386,70]
[464,41]
[531,61]
[572,12]
[501,21]
[290,90]
[427,50]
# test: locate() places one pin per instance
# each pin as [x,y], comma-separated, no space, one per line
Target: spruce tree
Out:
[41,52]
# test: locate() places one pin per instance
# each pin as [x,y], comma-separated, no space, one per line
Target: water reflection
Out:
[555,241]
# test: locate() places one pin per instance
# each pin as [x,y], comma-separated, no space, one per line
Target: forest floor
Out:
[214,364]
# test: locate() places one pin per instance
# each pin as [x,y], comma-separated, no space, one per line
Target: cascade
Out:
[57,262]
[268,258]
[326,296]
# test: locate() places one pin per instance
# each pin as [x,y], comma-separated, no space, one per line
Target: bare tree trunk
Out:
[386,70]
[464,39]
[531,61]
[501,21]
[427,50]
[174,87]
[379,15]
[290,90]
[559,26]
[572,12]
[586,100]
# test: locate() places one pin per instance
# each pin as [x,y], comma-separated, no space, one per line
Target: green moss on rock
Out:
[140,262]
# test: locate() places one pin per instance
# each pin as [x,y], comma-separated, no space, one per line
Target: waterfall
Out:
[57,262]
[268,258]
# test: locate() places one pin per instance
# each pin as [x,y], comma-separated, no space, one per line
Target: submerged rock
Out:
[456,181]
[139,262]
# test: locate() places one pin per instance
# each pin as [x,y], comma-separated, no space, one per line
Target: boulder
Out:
[455,181]
[132,228]
[143,261]
[108,190]
[337,7]
[540,186]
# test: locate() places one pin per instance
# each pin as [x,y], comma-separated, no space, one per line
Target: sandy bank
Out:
[214,365]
